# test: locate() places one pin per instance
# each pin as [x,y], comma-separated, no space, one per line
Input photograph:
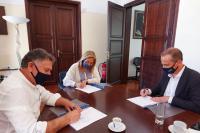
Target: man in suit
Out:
[179,85]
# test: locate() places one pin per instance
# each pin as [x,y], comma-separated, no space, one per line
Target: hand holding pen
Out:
[144,92]
[81,84]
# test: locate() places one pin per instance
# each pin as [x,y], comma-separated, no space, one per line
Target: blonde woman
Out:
[82,72]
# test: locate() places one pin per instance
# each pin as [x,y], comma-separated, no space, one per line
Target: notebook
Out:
[100,85]
[59,111]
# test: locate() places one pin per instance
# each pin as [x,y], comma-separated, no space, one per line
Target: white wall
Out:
[93,24]
[188,33]
[94,34]
[18,2]
[126,1]
[94,27]
[135,44]
[8,42]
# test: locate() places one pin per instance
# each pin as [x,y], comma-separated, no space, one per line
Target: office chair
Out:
[136,62]
[61,77]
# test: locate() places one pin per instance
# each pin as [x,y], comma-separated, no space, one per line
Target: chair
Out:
[61,77]
[136,62]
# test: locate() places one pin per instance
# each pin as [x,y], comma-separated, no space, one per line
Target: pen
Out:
[86,79]
[85,76]
[145,90]
[73,108]
[114,124]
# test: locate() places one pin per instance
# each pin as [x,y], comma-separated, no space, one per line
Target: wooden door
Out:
[159,34]
[55,26]
[42,29]
[66,38]
[115,42]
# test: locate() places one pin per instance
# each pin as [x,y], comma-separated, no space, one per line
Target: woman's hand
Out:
[81,84]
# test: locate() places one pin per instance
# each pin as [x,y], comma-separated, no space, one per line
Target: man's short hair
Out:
[36,54]
[175,53]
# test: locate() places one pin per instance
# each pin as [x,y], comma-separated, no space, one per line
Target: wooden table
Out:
[112,101]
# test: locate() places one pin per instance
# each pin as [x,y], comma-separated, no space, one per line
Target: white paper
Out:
[142,101]
[193,131]
[89,89]
[88,116]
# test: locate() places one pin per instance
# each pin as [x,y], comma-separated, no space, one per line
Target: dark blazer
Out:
[187,94]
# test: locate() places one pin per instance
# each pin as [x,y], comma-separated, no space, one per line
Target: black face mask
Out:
[170,70]
[40,78]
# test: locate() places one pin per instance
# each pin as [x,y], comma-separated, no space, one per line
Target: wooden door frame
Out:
[128,18]
[77,4]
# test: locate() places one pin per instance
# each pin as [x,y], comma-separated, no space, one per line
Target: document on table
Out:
[88,116]
[89,89]
[142,101]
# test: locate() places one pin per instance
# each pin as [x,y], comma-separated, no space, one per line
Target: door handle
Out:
[165,44]
[58,52]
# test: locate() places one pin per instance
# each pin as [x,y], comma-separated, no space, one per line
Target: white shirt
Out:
[20,105]
[73,76]
[172,85]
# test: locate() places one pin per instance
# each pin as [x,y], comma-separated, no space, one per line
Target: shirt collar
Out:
[21,76]
[179,74]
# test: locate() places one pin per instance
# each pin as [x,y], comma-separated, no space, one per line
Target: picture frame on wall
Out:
[138,24]
[3,25]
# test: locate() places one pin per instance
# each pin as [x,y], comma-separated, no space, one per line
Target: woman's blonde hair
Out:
[86,55]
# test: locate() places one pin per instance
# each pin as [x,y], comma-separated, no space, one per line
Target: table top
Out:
[112,101]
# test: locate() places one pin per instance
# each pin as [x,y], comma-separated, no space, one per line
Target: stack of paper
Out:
[88,116]
[142,101]
[89,89]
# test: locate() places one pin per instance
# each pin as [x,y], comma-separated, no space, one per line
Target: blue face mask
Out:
[86,65]
[170,70]
[40,78]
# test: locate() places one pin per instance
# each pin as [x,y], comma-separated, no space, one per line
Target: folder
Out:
[59,111]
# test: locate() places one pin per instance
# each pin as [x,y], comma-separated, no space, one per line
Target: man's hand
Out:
[56,124]
[67,104]
[144,92]
[74,115]
[71,106]
[163,99]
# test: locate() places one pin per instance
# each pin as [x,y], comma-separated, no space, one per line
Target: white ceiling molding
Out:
[16,2]
[96,6]
[20,2]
